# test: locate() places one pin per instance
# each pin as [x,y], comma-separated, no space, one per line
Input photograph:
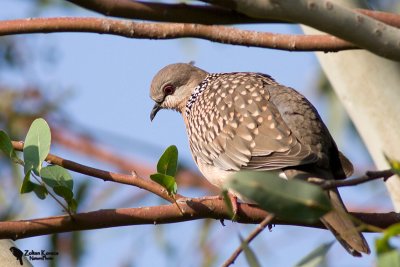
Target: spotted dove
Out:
[248,121]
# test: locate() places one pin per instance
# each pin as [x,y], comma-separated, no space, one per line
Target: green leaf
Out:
[62,183]
[166,181]
[63,192]
[389,259]
[55,175]
[37,145]
[27,186]
[382,244]
[168,162]
[394,165]
[316,257]
[166,170]
[40,191]
[249,254]
[7,147]
[293,200]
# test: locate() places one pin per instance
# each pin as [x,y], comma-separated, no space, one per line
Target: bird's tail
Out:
[339,223]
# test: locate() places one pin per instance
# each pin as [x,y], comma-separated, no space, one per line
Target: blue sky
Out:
[110,77]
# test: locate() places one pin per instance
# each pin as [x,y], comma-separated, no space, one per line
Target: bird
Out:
[248,121]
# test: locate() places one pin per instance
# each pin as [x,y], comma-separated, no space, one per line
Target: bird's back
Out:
[306,124]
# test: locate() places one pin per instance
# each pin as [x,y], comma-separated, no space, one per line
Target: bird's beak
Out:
[154,111]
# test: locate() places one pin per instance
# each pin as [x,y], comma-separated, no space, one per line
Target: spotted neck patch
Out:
[199,90]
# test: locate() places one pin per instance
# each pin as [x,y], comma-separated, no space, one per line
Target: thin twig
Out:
[252,235]
[52,195]
[177,205]
[86,145]
[105,175]
[369,176]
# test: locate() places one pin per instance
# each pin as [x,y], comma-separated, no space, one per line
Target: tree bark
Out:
[328,16]
[368,87]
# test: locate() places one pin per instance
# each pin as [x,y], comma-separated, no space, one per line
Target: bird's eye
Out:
[168,89]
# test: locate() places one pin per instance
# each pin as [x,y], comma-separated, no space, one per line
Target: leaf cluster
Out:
[36,148]
[166,170]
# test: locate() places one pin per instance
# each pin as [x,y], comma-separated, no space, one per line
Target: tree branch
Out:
[329,17]
[219,34]
[85,144]
[160,191]
[193,209]
[203,14]
[105,175]
[369,176]
[253,234]
[189,209]
[183,13]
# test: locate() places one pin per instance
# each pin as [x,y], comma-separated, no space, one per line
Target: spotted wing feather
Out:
[233,125]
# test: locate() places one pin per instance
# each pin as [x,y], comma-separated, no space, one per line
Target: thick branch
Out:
[193,209]
[203,14]
[219,34]
[329,17]
[105,175]
[189,209]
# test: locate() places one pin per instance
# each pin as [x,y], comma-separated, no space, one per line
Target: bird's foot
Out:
[234,202]
[231,202]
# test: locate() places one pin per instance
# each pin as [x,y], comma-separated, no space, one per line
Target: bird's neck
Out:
[195,93]
[181,108]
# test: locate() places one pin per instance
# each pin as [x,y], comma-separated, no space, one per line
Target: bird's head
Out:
[173,85]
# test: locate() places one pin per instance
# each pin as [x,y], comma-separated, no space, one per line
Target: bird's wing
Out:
[234,126]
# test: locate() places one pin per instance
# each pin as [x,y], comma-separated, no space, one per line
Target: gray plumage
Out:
[241,120]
